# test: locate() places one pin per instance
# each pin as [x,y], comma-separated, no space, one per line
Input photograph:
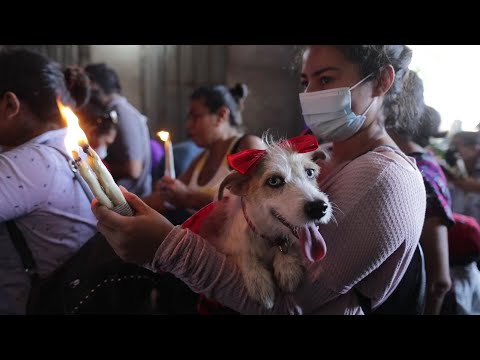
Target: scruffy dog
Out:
[273,215]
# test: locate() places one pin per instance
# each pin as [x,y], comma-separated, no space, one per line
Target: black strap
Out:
[237,144]
[22,249]
[78,177]
[235,147]
[364,302]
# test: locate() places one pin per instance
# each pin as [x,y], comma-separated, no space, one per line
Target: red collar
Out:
[282,243]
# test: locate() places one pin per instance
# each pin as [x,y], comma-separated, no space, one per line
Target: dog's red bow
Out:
[246,160]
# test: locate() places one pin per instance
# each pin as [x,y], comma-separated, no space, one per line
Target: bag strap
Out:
[23,250]
[78,177]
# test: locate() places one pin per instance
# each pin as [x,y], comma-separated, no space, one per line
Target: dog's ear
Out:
[320,154]
[235,182]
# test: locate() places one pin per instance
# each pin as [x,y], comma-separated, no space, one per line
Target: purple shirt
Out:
[439,202]
[38,189]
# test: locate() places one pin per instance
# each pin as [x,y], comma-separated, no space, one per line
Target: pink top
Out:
[381,209]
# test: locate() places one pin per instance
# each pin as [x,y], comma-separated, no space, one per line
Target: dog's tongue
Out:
[312,242]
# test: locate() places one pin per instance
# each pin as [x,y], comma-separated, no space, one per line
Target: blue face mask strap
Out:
[368,108]
[361,81]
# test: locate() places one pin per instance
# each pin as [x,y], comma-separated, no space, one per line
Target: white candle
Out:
[91,180]
[169,162]
[103,186]
[104,177]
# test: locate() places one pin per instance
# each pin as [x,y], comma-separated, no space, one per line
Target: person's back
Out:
[38,190]
[129,156]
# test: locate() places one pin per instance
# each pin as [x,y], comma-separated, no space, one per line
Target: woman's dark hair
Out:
[373,58]
[98,116]
[37,82]
[406,115]
[429,125]
[105,77]
[214,97]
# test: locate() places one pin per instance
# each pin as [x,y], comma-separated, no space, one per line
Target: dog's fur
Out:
[229,231]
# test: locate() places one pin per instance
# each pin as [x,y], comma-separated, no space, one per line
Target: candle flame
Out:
[75,134]
[163,135]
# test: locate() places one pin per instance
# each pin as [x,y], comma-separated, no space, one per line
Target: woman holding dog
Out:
[378,191]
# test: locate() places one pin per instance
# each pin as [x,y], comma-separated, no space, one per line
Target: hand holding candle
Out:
[100,180]
[169,162]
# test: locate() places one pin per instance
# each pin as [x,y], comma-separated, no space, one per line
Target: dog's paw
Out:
[260,286]
[288,271]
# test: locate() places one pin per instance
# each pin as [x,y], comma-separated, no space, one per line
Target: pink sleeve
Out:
[207,271]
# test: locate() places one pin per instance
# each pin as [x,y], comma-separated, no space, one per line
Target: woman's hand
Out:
[134,238]
[175,192]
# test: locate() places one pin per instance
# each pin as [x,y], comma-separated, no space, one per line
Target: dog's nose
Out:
[316,209]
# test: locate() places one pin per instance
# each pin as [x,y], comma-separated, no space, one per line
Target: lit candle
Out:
[102,184]
[169,163]
[91,180]
[103,175]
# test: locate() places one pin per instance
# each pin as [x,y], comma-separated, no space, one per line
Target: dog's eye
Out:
[310,173]
[275,181]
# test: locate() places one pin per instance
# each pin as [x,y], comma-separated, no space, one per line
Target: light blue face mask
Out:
[329,114]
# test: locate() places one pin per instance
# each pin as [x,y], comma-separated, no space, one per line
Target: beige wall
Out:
[125,60]
[274,86]
[266,69]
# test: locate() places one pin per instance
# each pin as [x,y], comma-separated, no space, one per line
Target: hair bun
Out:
[239,91]
[78,84]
